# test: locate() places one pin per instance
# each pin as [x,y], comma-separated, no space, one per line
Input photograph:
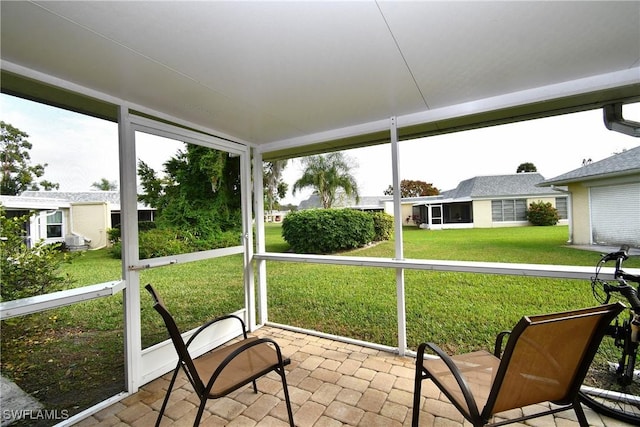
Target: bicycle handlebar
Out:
[626,290]
[619,256]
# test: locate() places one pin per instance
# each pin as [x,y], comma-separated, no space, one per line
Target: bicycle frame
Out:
[616,393]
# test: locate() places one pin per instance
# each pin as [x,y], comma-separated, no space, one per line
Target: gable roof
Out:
[621,164]
[511,185]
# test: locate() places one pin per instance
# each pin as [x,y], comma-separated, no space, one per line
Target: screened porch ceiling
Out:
[300,77]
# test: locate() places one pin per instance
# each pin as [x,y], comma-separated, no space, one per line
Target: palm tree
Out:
[105,185]
[326,173]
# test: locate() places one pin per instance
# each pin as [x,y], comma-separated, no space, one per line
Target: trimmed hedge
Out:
[324,231]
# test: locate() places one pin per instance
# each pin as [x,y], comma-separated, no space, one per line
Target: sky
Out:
[81,150]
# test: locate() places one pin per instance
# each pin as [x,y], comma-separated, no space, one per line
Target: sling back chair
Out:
[545,360]
[225,368]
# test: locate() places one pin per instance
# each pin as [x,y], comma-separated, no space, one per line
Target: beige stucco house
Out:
[485,202]
[80,220]
[604,200]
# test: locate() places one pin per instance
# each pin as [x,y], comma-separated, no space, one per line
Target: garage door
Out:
[615,214]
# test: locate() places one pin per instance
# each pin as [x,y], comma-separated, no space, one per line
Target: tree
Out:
[526,167]
[199,193]
[410,188]
[275,188]
[18,175]
[326,173]
[105,185]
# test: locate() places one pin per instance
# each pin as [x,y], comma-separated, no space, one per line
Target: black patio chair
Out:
[545,360]
[224,369]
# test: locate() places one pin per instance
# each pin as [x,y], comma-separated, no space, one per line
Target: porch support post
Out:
[399,253]
[129,237]
[261,265]
[247,228]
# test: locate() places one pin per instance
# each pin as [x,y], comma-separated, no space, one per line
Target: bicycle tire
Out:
[602,390]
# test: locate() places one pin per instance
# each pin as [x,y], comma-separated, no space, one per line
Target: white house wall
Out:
[482,214]
[38,227]
[91,221]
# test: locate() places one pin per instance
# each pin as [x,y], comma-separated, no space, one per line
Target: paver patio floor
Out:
[331,383]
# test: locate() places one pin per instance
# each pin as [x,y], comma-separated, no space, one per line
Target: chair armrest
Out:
[214,321]
[462,383]
[497,349]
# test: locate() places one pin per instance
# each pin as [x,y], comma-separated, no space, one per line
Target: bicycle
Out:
[612,385]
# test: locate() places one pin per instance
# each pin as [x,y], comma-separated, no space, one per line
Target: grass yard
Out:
[459,311]
[72,357]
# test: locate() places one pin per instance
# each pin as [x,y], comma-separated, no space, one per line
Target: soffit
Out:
[300,77]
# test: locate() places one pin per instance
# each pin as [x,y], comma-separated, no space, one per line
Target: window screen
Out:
[561,207]
[509,210]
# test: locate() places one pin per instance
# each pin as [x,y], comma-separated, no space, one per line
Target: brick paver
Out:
[331,384]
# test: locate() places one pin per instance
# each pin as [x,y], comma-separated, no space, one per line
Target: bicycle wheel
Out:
[602,389]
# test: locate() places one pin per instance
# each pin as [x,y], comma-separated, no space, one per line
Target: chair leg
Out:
[417,389]
[286,395]
[203,403]
[582,418]
[166,397]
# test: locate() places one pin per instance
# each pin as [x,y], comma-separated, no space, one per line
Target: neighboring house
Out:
[478,202]
[486,202]
[605,200]
[275,216]
[78,219]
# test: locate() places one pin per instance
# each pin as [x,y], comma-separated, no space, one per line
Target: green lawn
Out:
[81,345]
[459,311]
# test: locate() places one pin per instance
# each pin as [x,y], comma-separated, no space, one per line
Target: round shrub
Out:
[323,231]
[382,225]
[541,213]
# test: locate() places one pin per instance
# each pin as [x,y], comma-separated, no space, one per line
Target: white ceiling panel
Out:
[290,75]
[471,51]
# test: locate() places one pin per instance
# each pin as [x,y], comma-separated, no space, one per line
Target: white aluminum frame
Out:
[144,365]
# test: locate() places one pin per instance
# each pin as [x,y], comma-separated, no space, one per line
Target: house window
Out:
[509,210]
[561,207]
[54,224]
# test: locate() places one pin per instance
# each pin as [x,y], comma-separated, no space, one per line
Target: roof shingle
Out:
[625,163]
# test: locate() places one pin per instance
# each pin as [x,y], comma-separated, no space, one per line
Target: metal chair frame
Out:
[248,359]
[492,371]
